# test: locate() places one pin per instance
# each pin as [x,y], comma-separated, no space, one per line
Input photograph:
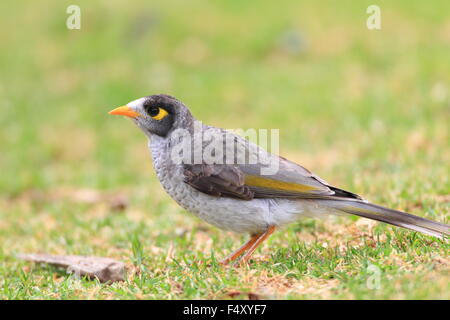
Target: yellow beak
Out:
[125,111]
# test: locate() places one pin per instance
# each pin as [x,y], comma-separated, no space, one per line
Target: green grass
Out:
[366,110]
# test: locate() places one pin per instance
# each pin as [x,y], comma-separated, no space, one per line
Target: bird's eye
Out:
[157,113]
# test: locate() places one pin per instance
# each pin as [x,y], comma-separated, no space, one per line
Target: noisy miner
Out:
[246,191]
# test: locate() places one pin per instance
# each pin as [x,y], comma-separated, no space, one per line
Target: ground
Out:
[366,110]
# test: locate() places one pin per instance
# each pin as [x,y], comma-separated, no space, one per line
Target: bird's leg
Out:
[239,251]
[263,236]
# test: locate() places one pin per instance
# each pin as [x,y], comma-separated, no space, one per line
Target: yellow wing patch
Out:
[255,181]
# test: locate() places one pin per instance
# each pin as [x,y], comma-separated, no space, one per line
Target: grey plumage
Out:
[237,196]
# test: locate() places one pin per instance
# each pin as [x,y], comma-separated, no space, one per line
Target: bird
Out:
[235,194]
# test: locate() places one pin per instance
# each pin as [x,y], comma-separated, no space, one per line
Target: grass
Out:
[366,110]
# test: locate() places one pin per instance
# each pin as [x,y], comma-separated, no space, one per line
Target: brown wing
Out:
[245,182]
[218,180]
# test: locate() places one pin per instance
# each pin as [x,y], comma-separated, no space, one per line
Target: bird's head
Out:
[158,114]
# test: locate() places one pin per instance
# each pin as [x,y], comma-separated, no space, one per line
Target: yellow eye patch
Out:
[159,114]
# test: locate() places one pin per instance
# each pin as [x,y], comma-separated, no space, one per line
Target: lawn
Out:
[367,110]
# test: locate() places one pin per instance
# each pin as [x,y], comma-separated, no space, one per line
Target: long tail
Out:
[394,217]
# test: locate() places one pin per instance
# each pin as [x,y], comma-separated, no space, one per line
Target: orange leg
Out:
[234,255]
[263,236]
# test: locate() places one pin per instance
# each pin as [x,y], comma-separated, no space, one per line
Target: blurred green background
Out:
[368,110]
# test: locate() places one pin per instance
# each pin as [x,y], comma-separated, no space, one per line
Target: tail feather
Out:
[394,217]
